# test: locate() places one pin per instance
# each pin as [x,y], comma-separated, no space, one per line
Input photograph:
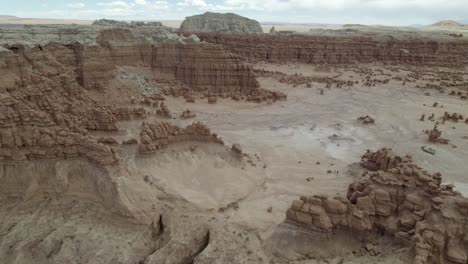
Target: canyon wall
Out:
[93,53]
[206,67]
[342,50]
[203,67]
[44,113]
[49,76]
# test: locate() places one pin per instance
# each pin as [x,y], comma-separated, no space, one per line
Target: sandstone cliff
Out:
[92,54]
[343,49]
[49,77]
[46,114]
[216,22]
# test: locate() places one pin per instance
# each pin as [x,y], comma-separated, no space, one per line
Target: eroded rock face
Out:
[187,114]
[383,159]
[29,142]
[216,22]
[215,70]
[164,111]
[90,55]
[341,50]
[435,136]
[397,198]
[48,75]
[45,114]
[366,119]
[158,135]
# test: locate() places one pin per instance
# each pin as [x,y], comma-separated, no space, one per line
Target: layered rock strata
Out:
[343,49]
[45,114]
[48,141]
[399,199]
[91,55]
[49,77]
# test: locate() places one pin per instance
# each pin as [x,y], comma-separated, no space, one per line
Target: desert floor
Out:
[310,143]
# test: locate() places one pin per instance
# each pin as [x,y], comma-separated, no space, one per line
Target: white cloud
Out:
[194,3]
[392,12]
[152,5]
[76,5]
[313,5]
[137,4]
[114,4]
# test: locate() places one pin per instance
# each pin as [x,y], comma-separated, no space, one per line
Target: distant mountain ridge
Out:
[447,23]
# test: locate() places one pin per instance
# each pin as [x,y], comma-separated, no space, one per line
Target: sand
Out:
[291,137]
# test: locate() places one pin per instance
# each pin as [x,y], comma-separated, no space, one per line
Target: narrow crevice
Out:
[78,50]
[203,246]
[55,250]
[161,224]
[160,235]
[11,227]
[16,49]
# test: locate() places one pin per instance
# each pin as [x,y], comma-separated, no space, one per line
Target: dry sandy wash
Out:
[131,143]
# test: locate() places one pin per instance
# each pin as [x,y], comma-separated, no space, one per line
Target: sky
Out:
[383,12]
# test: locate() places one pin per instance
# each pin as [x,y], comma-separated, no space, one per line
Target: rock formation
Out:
[164,111]
[130,141]
[49,141]
[342,49]
[158,135]
[125,113]
[48,75]
[216,70]
[398,199]
[366,120]
[216,22]
[452,117]
[91,55]
[40,117]
[236,148]
[212,99]
[187,114]
[435,136]
[107,140]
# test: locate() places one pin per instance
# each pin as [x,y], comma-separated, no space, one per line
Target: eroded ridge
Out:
[91,56]
[157,135]
[53,81]
[341,50]
[397,198]
[38,130]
